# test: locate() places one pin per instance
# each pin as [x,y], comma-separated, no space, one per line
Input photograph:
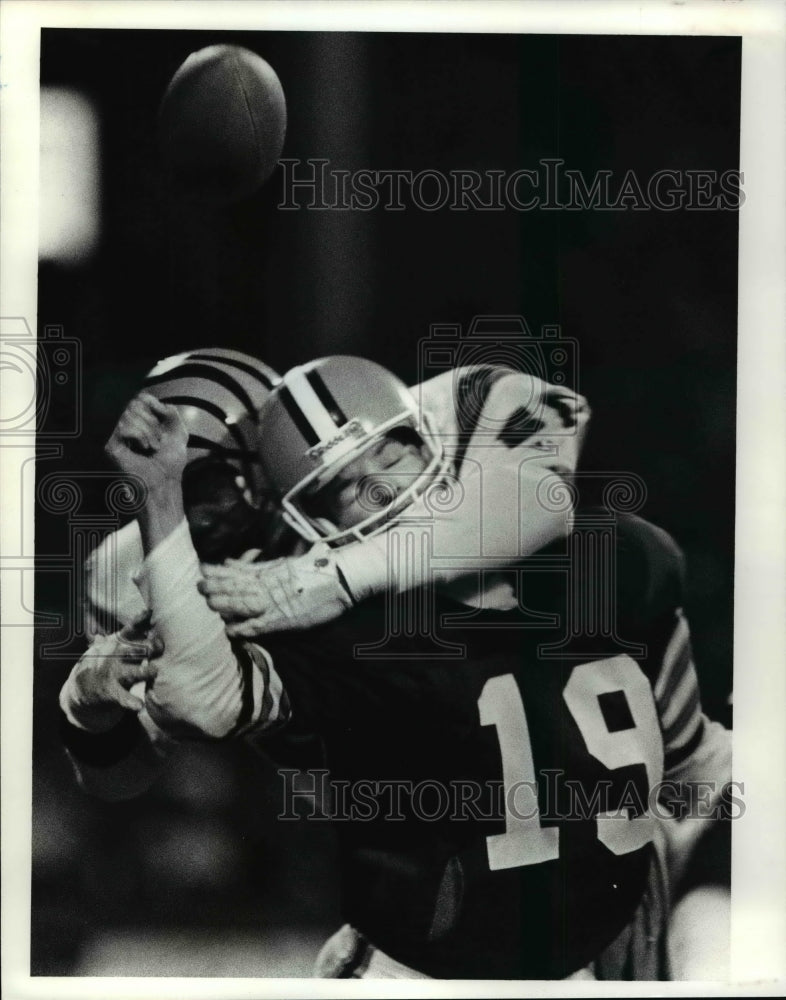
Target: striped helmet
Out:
[219,393]
[322,416]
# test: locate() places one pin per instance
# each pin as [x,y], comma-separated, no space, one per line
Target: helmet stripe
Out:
[327,398]
[267,380]
[210,374]
[298,417]
[314,410]
[214,411]
[242,455]
[205,444]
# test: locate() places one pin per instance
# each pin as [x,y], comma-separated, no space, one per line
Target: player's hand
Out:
[97,690]
[283,594]
[150,441]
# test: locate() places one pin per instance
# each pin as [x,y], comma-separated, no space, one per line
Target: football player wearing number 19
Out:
[564,745]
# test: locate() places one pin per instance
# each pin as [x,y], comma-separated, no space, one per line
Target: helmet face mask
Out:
[324,417]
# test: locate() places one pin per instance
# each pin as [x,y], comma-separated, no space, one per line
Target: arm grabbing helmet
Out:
[320,419]
[219,393]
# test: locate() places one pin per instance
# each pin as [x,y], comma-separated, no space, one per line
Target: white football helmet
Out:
[323,415]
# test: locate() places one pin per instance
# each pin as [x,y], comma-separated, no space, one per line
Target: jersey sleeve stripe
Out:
[680,669]
[262,701]
[675,661]
[267,697]
[280,709]
[687,734]
[673,733]
[671,707]
[246,667]
[677,755]
[271,707]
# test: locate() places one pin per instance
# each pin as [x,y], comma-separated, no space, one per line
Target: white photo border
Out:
[758,959]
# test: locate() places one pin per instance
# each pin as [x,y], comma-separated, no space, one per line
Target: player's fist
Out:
[150,441]
[291,593]
[97,690]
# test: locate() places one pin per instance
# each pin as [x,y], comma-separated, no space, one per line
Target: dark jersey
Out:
[493,771]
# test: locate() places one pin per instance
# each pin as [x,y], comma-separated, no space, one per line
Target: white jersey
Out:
[506,434]
[509,436]
[112,596]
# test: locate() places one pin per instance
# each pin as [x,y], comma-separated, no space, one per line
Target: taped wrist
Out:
[198,688]
[362,567]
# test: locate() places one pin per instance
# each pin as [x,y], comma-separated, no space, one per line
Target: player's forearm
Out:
[495,523]
[162,513]
[198,689]
[494,510]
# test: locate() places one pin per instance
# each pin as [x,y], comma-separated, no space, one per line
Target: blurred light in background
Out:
[187,853]
[69,180]
[268,952]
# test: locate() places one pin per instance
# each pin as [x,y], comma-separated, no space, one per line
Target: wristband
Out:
[102,749]
[363,566]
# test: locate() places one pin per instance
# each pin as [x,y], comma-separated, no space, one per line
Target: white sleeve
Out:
[197,691]
[491,513]
[206,686]
[111,597]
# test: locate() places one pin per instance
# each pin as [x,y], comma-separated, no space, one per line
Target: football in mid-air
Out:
[222,123]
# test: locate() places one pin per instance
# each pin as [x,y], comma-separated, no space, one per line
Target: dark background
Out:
[650,297]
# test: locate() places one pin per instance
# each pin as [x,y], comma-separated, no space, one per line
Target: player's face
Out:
[371,482]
